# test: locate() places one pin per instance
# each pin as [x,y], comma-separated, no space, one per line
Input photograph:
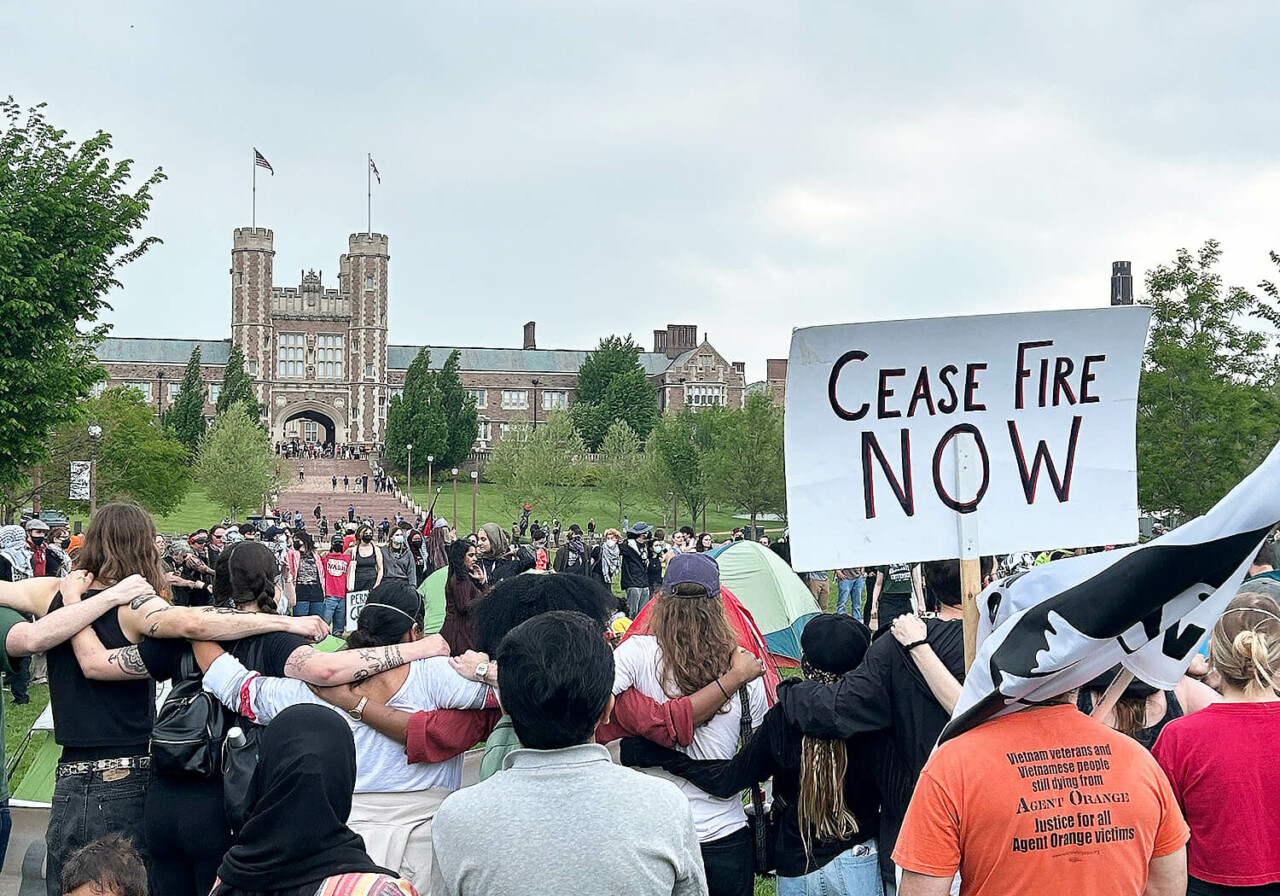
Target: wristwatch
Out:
[358,712]
[482,670]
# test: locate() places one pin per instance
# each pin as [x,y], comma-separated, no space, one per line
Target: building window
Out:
[214,389]
[484,431]
[505,429]
[396,393]
[481,396]
[144,388]
[368,371]
[706,362]
[555,401]
[253,368]
[174,389]
[96,390]
[704,396]
[290,350]
[514,400]
[329,357]
[368,281]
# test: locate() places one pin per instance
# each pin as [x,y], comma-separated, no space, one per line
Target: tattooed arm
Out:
[153,617]
[327,669]
[27,638]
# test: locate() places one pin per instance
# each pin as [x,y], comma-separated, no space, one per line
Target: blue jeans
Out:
[309,608]
[335,613]
[847,589]
[855,872]
[6,827]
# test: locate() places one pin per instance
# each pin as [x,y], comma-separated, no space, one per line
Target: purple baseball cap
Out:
[692,569]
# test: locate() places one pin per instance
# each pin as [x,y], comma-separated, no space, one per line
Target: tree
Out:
[744,466]
[680,444]
[612,386]
[1207,411]
[235,464]
[186,417]
[69,220]
[137,458]
[236,387]
[458,410]
[546,467]
[434,414]
[620,468]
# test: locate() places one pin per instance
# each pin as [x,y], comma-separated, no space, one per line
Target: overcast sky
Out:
[605,166]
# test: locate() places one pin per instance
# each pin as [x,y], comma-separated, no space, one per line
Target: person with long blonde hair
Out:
[692,647]
[825,801]
[1222,760]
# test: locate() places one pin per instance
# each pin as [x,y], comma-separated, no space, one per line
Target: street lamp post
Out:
[475,491]
[409,475]
[535,403]
[160,397]
[455,496]
[431,459]
[95,433]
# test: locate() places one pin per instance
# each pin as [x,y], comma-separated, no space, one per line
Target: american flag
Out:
[374,168]
[261,161]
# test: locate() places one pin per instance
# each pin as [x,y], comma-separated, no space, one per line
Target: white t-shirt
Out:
[636,664]
[381,766]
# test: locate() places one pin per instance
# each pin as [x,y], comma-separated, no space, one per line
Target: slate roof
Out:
[511,360]
[162,351]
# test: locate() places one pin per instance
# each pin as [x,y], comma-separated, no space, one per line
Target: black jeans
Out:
[187,835]
[730,863]
[85,807]
[6,828]
[18,679]
[1197,887]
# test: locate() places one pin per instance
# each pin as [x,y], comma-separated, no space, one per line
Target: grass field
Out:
[491,507]
[17,722]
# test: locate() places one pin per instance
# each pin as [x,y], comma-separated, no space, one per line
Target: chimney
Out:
[530,341]
[1121,283]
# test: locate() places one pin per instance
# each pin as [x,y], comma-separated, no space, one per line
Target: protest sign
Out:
[81,476]
[951,437]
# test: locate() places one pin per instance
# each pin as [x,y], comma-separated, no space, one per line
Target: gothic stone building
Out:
[323,369]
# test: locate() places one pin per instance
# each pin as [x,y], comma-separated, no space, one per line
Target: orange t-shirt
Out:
[1042,800]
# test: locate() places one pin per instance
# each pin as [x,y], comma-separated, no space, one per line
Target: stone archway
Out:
[311,421]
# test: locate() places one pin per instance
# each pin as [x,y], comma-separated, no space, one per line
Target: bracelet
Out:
[722,690]
[914,644]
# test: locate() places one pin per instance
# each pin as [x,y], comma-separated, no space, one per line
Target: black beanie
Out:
[834,642]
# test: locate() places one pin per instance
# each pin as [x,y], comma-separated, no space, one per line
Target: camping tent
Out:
[771,592]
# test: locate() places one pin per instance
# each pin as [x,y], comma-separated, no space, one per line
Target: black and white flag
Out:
[1148,607]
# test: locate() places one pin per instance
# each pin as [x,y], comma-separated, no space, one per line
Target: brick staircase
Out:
[318,488]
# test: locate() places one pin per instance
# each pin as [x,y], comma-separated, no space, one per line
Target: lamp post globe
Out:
[455,495]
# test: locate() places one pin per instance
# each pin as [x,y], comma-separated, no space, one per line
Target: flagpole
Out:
[253,220]
[368,180]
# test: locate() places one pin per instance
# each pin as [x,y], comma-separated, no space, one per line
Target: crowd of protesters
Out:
[551,648]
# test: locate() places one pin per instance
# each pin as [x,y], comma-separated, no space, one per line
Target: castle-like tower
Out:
[318,356]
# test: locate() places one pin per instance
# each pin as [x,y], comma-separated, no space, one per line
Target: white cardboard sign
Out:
[951,437]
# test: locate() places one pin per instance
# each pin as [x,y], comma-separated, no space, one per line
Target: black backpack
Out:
[186,740]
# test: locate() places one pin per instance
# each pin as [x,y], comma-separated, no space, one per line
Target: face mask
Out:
[398,541]
[65,543]
[366,538]
[297,545]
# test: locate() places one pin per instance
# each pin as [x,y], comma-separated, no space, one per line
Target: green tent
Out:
[771,592]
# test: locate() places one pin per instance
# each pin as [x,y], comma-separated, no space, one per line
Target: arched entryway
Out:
[311,422]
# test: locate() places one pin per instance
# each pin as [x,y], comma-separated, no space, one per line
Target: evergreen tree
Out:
[612,386]
[416,417]
[237,388]
[186,417]
[458,410]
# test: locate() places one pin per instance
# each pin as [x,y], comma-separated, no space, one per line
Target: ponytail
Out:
[1245,644]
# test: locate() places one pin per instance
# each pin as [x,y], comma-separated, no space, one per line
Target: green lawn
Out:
[492,508]
[17,722]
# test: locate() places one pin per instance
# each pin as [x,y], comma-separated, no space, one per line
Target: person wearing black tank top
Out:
[183,822]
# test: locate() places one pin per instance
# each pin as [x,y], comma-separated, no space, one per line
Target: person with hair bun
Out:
[1222,761]
[395,801]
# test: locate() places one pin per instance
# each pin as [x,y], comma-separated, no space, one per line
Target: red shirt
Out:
[335,574]
[1223,763]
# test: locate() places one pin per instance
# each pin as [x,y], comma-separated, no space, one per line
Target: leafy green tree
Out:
[235,463]
[1207,411]
[459,412]
[137,458]
[620,467]
[612,386]
[680,444]
[546,467]
[186,417]
[69,221]
[744,466]
[237,387]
